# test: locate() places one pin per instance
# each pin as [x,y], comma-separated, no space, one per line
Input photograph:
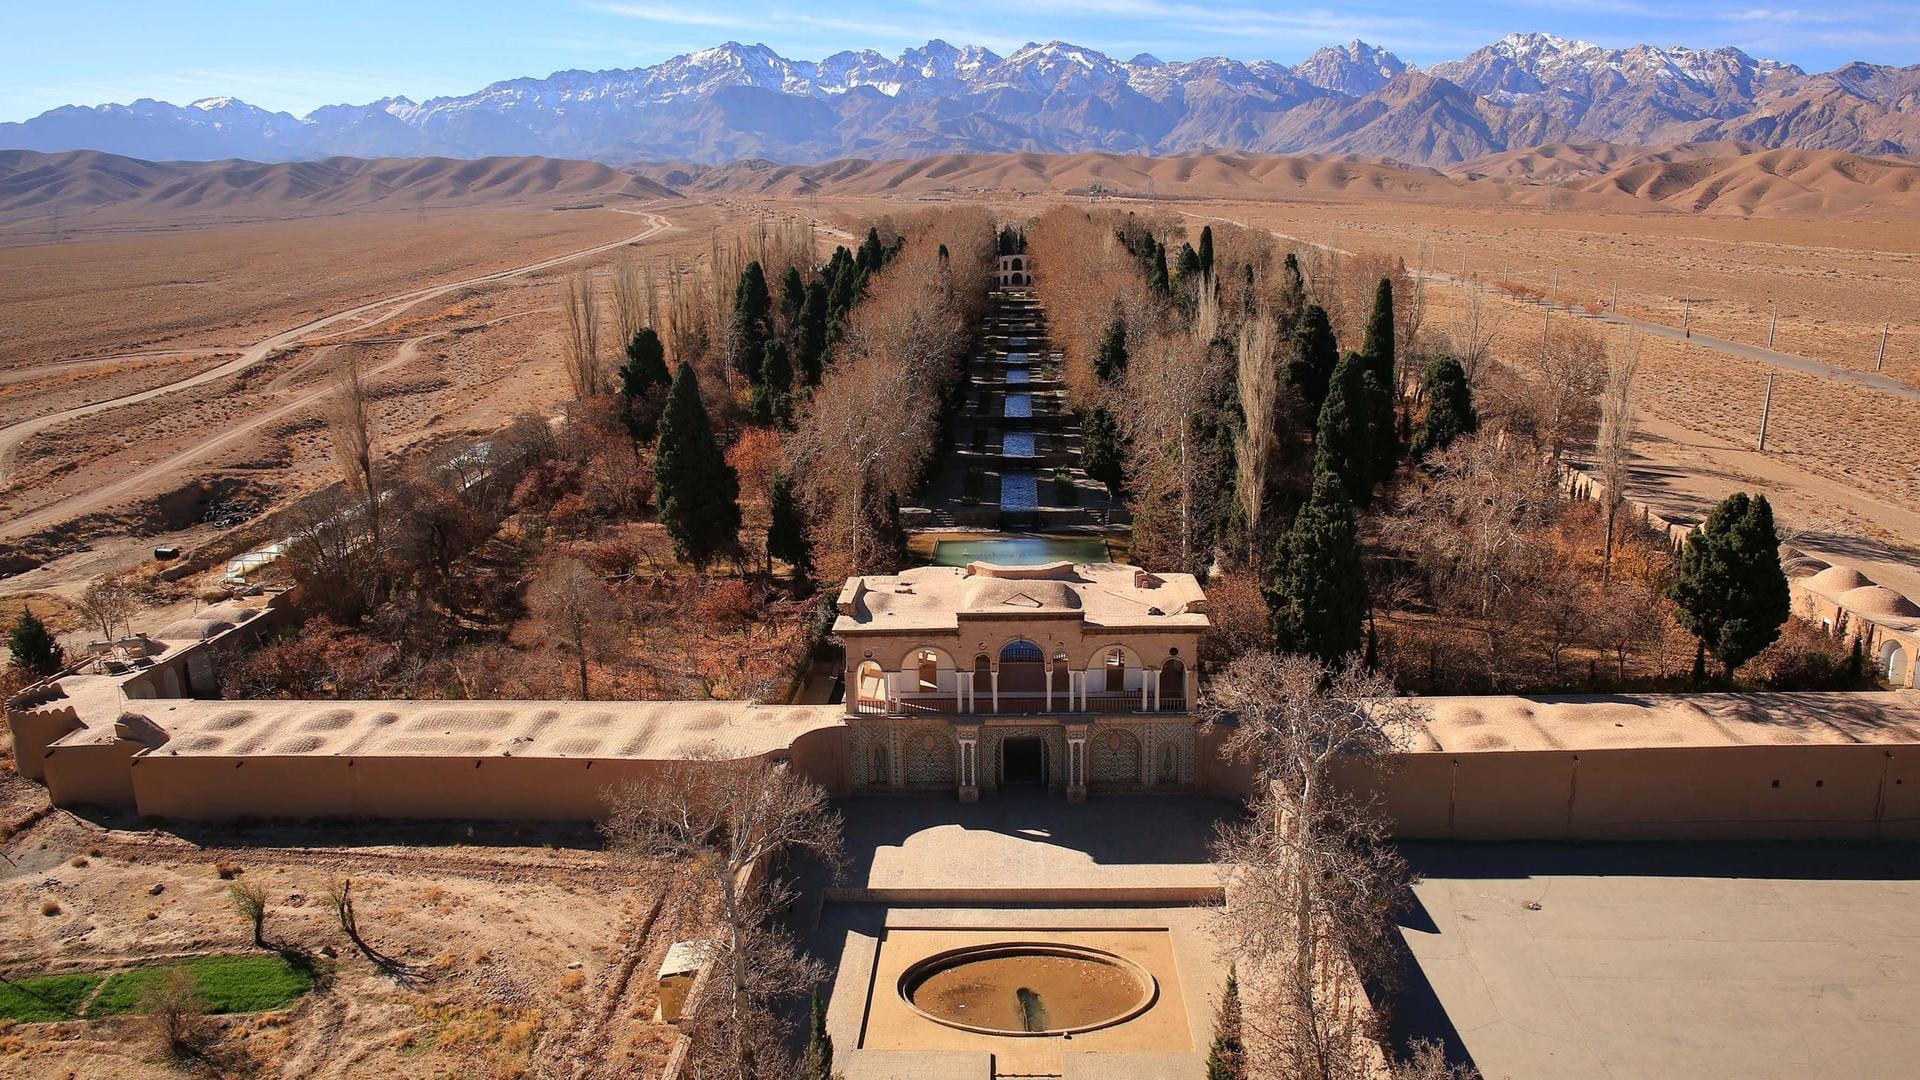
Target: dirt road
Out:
[12,436]
[106,495]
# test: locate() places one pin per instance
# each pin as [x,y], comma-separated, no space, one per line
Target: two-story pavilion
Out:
[1074,677]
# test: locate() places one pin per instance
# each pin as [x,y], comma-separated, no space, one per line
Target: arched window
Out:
[1021,652]
[871,684]
[982,674]
[1060,669]
[1169,765]
[1116,671]
[877,762]
[1017,265]
[929,671]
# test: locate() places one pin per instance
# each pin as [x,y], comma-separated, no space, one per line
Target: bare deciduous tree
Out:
[1572,371]
[714,826]
[1256,444]
[582,343]
[1311,882]
[350,425]
[630,303]
[249,900]
[176,1017]
[106,605]
[574,609]
[1475,328]
[1616,437]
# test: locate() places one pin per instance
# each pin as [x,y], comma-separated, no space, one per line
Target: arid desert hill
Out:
[1705,178]
[34,186]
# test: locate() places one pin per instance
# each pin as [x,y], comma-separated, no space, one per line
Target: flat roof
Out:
[1106,595]
[1633,721]
[643,730]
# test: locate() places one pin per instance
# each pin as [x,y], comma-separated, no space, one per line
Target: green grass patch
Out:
[47,998]
[227,984]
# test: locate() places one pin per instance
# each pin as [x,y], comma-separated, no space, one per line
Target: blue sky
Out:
[298,56]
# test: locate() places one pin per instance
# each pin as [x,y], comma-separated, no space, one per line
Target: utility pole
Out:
[1546,323]
[1882,358]
[1616,298]
[1686,317]
[1773,323]
[1766,406]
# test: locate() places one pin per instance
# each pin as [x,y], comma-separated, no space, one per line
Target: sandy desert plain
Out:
[244,287]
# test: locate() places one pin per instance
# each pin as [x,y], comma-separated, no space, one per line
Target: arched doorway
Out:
[1024,762]
[1893,663]
[1062,674]
[1173,684]
[929,670]
[1115,666]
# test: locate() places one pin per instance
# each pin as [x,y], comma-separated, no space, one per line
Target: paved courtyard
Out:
[1680,961]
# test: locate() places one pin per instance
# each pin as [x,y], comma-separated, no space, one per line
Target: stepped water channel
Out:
[1015,466]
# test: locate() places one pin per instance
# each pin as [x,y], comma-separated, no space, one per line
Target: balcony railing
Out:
[1025,703]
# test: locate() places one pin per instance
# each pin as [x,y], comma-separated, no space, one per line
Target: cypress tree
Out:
[1187,264]
[750,331]
[810,345]
[793,293]
[872,255]
[772,401]
[33,646]
[697,492]
[1384,449]
[1732,593]
[1316,591]
[1342,436]
[1100,451]
[786,530]
[643,382]
[818,1063]
[1157,268]
[1206,249]
[1111,360]
[1312,356]
[1293,288]
[1224,1056]
[1450,412]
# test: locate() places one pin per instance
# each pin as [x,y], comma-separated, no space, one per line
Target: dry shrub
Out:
[728,603]
[228,869]
[1805,657]
[572,981]
[175,1018]
[78,861]
[49,908]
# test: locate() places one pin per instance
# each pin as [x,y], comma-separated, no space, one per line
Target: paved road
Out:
[12,436]
[106,495]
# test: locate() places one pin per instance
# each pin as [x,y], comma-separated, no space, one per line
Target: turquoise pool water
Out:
[1019,551]
[1018,405]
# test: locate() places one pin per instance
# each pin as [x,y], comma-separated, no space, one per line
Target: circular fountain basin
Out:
[1028,988]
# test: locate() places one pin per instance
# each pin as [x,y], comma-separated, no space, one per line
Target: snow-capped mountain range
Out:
[745,101]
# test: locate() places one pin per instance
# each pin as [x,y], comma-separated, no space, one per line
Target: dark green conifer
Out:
[33,646]
[697,492]
[1206,249]
[810,344]
[747,337]
[1450,412]
[772,401]
[1100,451]
[1317,592]
[1111,361]
[1732,593]
[1312,355]
[786,529]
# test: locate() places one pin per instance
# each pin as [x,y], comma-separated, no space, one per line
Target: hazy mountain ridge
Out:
[736,101]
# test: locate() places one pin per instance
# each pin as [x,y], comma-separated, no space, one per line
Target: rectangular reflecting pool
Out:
[1019,551]
[1018,375]
[1017,444]
[1017,358]
[1018,405]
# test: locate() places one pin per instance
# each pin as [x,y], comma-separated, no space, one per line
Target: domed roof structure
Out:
[1835,580]
[1880,601]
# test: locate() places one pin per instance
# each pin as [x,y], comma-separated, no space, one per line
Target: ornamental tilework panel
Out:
[1170,750]
[1116,755]
[930,755]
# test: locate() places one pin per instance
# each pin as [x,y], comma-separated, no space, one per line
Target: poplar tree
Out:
[1312,355]
[1732,593]
[1316,590]
[1450,412]
[750,331]
[33,646]
[697,492]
